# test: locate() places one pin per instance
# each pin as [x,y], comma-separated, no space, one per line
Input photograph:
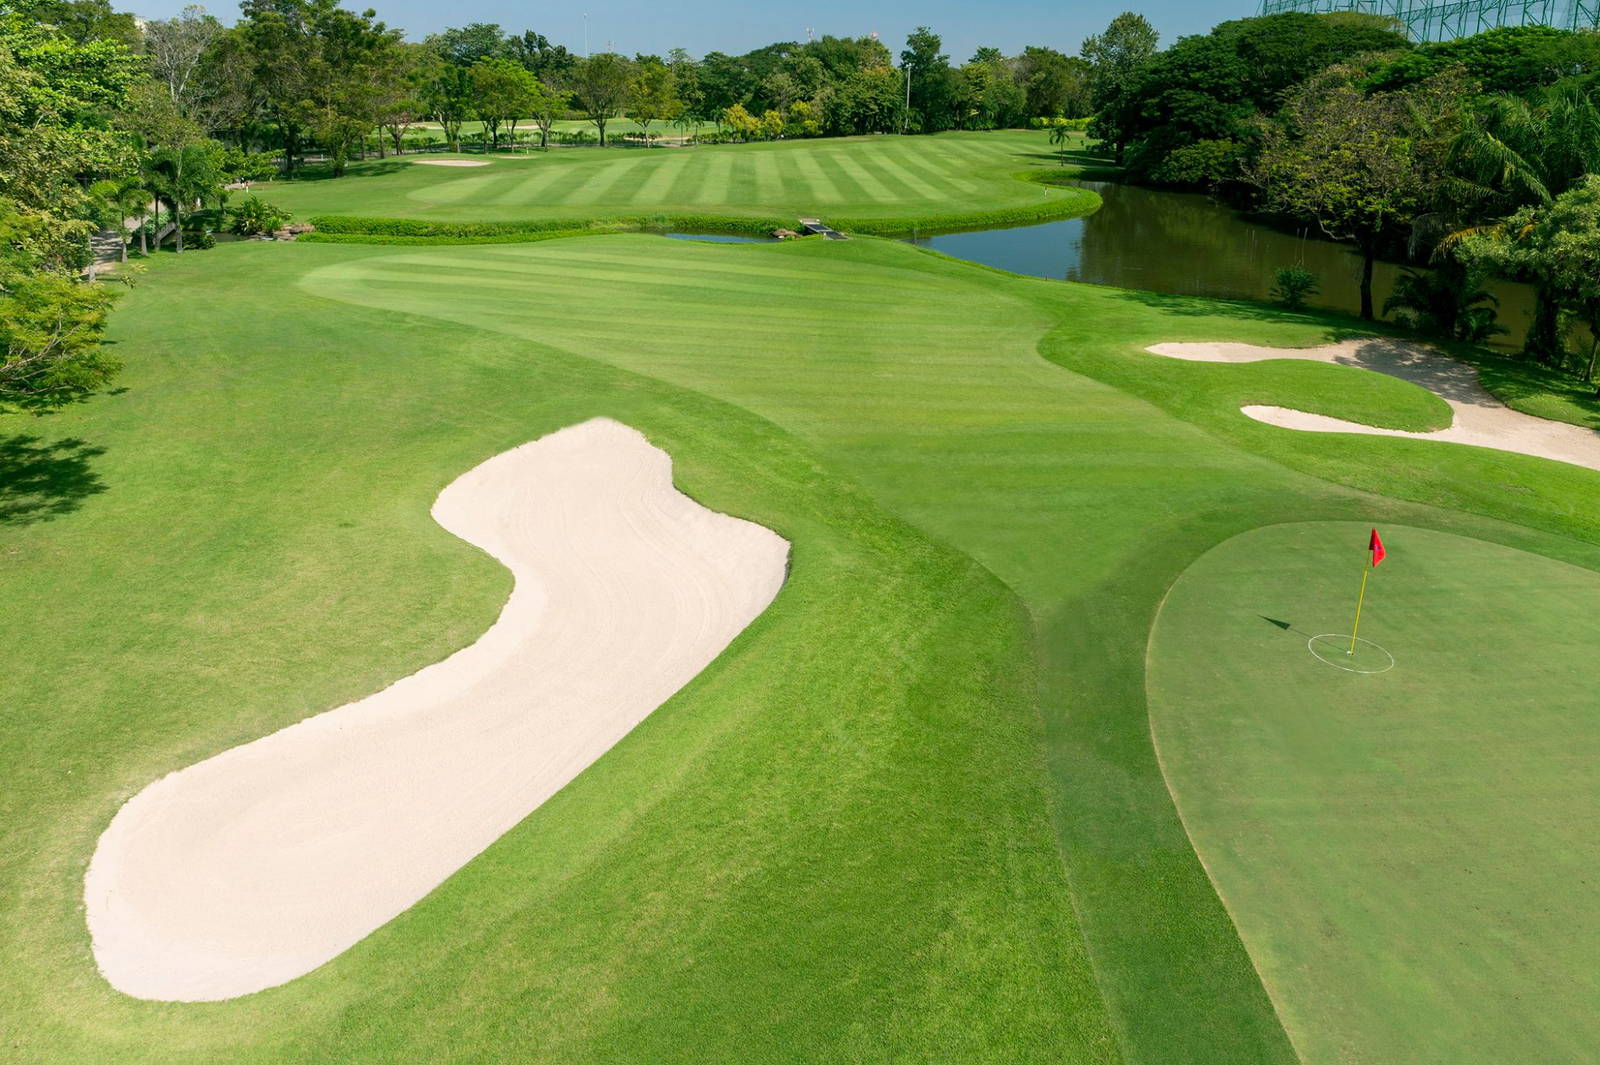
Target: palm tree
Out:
[182,178]
[1059,136]
[120,199]
[1515,154]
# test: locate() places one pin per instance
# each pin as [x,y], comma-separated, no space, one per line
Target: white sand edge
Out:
[1477,418]
[256,866]
[451,162]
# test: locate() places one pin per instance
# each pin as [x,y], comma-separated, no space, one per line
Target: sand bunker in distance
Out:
[1477,417]
[452,162]
[259,864]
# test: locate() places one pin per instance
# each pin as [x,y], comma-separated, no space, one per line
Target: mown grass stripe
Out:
[876,187]
[599,189]
[820,185]
[690,177]
[531,187]
[903,177]
[663,172]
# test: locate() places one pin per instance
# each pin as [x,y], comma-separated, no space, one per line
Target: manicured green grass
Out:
[913,814]
[1407,855]
[879,184]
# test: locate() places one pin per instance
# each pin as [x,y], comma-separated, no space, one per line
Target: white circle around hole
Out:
[1338,657]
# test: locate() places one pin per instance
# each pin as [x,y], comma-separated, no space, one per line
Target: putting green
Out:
[1409,856]
[860,179]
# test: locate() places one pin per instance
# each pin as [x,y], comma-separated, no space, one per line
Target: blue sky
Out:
[730,26]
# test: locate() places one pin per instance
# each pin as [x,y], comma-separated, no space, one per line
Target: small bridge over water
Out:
[815,226]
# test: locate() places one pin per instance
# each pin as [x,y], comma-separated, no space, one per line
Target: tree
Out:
[545,61]
[1116,58]
[323,70]
[1056,85]
[56,101]
[448,97]
[119,200]
[600,85]
[548,105]
[741,123]
[470,44]
[51,325]
[1359,166]
[503,92]
[652,94]
[181,178]
[931,88]
[399,102]
[176,49]
[1558,247]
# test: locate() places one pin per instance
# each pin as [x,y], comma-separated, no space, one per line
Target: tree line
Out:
[1475,158]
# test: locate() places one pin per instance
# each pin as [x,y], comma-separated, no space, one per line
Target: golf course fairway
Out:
[1408,854]
[879,183]
[911,813]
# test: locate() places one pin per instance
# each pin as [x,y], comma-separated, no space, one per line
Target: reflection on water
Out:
[1188,244]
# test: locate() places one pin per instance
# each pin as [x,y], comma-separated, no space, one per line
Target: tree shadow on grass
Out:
[324,171]
[40,481]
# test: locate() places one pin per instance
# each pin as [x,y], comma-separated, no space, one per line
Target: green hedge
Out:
[424,229]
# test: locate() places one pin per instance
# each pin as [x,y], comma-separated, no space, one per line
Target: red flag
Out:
[1375,545]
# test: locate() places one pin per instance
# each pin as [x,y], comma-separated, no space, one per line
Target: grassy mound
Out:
[1404,852]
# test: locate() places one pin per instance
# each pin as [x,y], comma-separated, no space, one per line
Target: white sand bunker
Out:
[1478,418]
[452,162]
[260,864]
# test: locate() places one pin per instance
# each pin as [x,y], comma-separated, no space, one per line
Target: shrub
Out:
[1207,164]
[254,215]
[198,240]
[1293,284]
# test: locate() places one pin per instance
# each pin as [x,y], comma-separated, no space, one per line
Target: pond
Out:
[1189,244]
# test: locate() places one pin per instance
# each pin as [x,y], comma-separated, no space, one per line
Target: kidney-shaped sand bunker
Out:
[256,866]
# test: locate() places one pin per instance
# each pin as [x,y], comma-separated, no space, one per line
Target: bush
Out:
[1076,125]
[1207,164]
[255,215]
[198,240]
[1293,284]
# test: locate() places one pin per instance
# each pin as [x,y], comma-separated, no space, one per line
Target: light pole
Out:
[905,112]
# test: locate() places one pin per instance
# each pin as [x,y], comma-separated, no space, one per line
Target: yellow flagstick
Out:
[1361,599]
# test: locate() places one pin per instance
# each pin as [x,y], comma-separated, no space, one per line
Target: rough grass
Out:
[913,814]
[884,185]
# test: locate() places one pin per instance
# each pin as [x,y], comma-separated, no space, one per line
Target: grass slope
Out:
[1404,853]
[880,184]
[913,814]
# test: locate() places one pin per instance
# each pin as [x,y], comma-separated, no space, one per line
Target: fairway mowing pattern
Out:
[867,178]
[1406,854]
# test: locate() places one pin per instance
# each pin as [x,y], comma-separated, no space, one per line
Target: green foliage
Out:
[1292,286]
[502,92]
[600,86]
[1506,59]
[1217,86]
[51,325]
[1117,59]
[1205,164]
[253,216]
[1357,165]
[1448,302]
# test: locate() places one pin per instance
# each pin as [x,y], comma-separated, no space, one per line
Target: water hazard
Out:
[1188,244]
